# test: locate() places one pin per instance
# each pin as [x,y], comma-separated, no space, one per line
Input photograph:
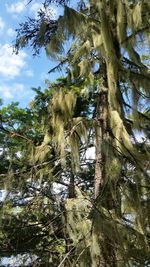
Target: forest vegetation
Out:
[75,164]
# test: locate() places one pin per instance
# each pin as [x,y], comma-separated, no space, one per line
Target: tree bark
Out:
[101,138]
[102,247]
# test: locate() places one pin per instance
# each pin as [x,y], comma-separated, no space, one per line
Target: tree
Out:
[32,216]
[104,225]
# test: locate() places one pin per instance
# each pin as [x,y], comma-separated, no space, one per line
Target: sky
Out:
[19,73]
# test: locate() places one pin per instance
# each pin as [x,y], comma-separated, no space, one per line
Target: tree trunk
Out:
[101,138]
[71,187]
[102,247]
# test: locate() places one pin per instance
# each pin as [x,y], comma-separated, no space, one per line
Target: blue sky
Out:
[19,73]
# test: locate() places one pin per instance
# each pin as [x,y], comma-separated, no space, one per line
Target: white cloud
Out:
[35,8]
[13,91]
[5,92]
[10,32]
[11,64]
[17,92]
[18,88]
[16,8]
[29,73]
[2,24]
[49,11]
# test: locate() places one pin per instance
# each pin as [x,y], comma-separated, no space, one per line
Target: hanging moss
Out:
[79,226]
[121,22]
[137,15]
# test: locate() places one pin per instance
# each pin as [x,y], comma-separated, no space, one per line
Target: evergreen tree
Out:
[103,100]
